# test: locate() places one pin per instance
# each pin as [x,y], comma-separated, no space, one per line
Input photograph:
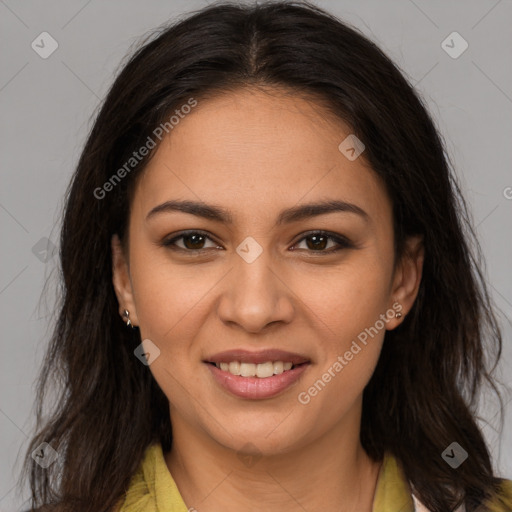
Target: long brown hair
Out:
[422,396]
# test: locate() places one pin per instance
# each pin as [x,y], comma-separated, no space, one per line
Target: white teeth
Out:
[261,370]
[265,370]
[247,369]
[234,368]
[278,367]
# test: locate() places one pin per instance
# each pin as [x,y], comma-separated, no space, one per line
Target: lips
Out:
[256,387]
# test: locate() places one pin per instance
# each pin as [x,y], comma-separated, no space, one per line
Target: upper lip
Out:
[262,356]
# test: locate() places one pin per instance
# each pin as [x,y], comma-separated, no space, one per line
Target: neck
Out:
[333,472]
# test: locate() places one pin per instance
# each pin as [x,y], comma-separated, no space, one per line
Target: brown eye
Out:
[318,242]
[192,241]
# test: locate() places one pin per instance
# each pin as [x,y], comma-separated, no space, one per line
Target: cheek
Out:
[350,299]
[349,304]
[345,365]
[170,299]
[170,304]
[332,393]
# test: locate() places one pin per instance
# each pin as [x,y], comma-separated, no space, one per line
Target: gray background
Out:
[47,105]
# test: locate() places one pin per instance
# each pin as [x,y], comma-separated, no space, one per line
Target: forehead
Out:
[254,151]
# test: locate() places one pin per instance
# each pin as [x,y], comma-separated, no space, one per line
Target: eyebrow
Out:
[287,216]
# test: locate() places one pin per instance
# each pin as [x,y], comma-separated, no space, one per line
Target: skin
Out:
[257,152]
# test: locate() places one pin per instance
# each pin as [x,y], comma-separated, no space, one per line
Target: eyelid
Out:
[342,241]
[170,242]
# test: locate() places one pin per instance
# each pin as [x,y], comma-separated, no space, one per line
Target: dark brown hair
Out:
[423,394]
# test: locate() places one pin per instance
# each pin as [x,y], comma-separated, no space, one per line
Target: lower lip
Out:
[256,388]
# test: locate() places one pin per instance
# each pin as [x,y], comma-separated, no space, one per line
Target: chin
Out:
[261,439]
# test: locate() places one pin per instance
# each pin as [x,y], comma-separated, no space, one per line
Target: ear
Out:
[407,278]
[121,280]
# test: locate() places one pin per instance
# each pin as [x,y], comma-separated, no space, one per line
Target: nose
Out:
[254,295]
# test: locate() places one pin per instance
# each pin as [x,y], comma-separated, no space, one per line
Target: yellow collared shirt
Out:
[152,488]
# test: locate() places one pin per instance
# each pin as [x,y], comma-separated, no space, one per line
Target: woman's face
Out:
[262,278]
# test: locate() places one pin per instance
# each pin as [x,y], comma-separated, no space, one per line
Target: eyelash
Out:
[343,242]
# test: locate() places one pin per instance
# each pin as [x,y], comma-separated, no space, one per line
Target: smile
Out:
[261,370]
[256,375]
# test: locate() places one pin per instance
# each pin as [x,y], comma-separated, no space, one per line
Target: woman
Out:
[269,299]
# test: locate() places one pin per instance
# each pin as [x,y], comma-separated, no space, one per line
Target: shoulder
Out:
[58,508]
[506,488]
[502,502]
